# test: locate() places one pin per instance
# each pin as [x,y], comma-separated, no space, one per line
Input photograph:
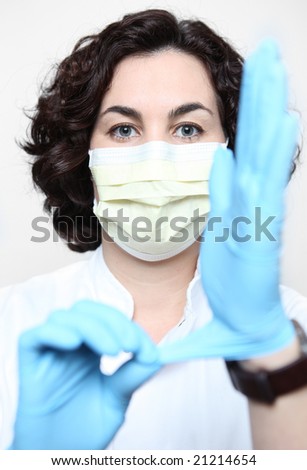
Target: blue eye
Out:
[124,132]
[188,131]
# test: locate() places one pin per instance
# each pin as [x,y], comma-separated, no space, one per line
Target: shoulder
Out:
[30,302]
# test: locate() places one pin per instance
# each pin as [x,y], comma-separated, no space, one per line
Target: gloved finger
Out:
[272,105]
[221,180]
[47,335]
[129,377]
[145,350]
[105,330]
[280,167]
[264,111]
[128,335]
[68,330]
[251,80]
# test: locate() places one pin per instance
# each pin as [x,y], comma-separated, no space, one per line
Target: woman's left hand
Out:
[240,254]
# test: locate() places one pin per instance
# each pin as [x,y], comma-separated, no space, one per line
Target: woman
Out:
[154,101]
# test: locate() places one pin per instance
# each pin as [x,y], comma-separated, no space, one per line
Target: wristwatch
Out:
[265,386]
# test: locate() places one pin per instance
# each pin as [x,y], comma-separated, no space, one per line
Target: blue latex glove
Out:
[241,278]
[65,402]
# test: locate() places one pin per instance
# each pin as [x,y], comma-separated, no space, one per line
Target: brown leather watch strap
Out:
[266,386]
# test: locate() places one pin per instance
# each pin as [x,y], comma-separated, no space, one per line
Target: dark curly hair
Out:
[67,109]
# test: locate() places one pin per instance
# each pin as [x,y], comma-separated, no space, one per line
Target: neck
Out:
[158,288]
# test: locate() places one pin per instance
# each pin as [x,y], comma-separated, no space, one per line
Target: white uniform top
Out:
[190,405]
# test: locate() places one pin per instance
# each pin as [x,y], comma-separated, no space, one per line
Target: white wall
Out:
[35,34]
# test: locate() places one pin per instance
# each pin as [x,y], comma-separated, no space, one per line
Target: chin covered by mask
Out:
[153,198]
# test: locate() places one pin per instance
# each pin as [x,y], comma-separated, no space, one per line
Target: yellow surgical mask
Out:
[153,198]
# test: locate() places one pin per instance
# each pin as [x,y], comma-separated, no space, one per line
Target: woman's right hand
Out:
[65,401]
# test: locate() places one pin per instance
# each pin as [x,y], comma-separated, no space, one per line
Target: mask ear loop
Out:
[95,200]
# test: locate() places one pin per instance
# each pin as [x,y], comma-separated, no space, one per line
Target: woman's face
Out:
[165,96]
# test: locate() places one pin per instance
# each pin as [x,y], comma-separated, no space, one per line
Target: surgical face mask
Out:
[153,198]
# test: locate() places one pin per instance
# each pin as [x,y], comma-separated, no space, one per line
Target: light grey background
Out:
[36,34]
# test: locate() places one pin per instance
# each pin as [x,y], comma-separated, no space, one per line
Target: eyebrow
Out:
[187,108]
[133,113]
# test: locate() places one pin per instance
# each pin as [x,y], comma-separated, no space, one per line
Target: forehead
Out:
[164,78]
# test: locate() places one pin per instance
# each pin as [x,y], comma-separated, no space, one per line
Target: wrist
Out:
[276,360]
[265,379]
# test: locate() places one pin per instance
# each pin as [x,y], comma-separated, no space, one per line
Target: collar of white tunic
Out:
[110,291]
